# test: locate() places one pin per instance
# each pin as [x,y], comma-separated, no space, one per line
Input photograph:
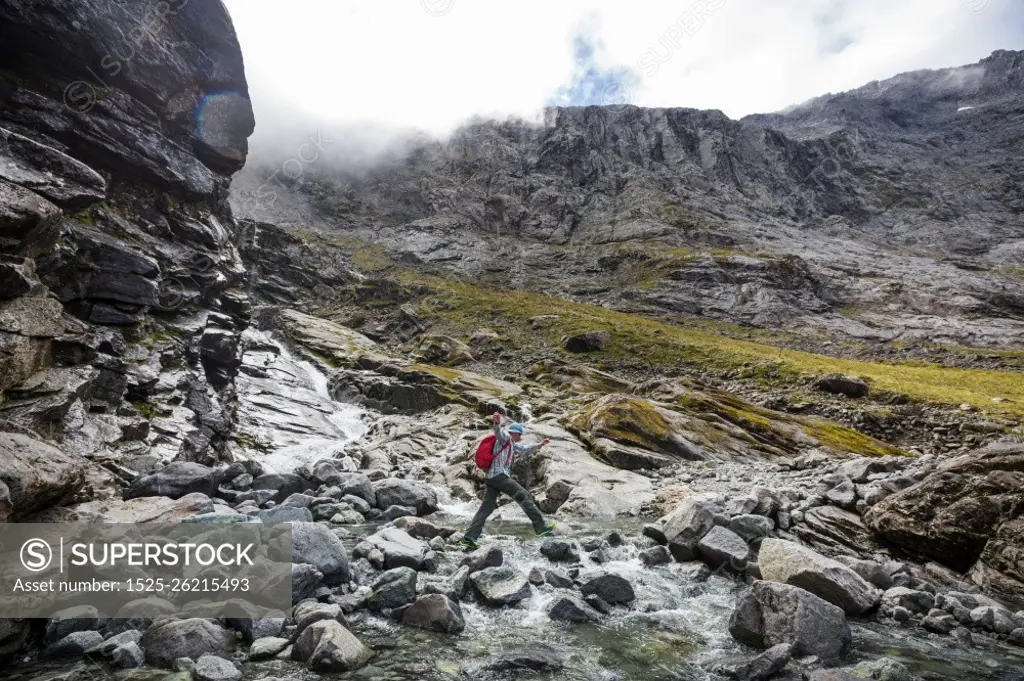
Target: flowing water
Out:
[286,411]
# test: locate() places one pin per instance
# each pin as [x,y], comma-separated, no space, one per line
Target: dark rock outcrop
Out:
[966,515]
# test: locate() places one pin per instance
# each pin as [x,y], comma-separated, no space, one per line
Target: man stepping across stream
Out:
[497,459]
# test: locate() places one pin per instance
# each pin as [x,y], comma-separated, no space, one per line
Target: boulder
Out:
[106,648]
[770,614]
[483,557]
[766,665]
[267,647]
[129,656]
[752,527]
[722,546]
[168,640]
[308,612]
[559,550]
[396,492]
[784,561]
[499,586]
[686,526]
[393,588]
[568,608]
[175,480]
[305,581]
[961,515]
[843,495]
[74,644]
[315,545]
[327,646]
[858,470]
[435,612]
[399,549]
[558,579]
[841,384]
[610,587]
[36,475]
[588,341]
[213,668]
[919,602]
[656,555]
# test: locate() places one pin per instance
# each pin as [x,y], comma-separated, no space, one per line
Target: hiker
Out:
[499,479]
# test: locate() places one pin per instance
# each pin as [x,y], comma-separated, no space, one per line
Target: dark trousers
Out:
[493,488]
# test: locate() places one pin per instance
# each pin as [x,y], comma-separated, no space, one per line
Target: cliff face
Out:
[120,286]
[891,209]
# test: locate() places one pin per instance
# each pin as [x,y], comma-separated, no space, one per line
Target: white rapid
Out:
[286,415]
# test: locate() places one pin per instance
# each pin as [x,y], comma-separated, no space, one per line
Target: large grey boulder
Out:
[500,586]
[36,475]
[483,557]
[399,549]
[327,646]
[396,492]
[393,588]
[841,384]
[784,561]
[687,525]
[771,613]
[74,644]
[435,612]
[313,544]
[175,480]
[168,640]
[569,608]
[722,546]
[610,587]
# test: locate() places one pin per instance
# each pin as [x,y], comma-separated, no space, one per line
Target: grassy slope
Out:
[465,307]
[468,307]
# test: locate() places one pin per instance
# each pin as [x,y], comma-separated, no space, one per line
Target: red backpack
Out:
[485,451]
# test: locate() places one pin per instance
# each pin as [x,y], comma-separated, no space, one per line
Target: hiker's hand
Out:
[544,442]
[496,417]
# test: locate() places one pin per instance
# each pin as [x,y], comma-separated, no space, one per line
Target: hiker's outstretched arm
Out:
[525,450]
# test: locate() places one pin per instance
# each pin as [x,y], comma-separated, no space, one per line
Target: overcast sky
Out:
[433,63]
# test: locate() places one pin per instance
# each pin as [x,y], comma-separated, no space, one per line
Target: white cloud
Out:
[396,63]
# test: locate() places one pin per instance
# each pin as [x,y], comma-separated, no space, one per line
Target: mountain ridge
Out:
[919,228]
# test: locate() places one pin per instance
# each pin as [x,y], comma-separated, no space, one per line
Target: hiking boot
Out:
[468,544]
[547,531]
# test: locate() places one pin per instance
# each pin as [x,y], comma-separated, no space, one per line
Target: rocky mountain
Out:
[727,506]
[888,211]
